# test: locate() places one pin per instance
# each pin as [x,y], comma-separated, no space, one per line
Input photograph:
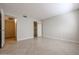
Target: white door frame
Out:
[3,28]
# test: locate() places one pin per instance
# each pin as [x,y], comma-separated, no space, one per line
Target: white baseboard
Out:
[61,39]
[24,39]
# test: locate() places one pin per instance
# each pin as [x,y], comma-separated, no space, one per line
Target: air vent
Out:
[25,16]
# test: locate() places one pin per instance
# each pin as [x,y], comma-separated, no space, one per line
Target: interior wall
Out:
[25,29]
[10,28]
[64,27]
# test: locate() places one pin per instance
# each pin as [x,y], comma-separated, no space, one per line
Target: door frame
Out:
[2,29]
[15,25]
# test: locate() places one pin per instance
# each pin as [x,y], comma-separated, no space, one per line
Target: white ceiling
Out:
[38,10]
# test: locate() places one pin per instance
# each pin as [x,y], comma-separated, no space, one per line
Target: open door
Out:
[35,30]
[10,30]
[2,31]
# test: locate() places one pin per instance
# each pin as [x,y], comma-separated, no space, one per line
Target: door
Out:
[35,29]
[2,31]
[39,29]
[10,30]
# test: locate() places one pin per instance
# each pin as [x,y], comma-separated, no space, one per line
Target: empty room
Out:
[39,29]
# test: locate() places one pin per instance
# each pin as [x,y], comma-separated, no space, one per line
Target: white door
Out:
[39,29]
[2,28]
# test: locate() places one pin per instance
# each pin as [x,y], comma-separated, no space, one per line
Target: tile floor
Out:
[40,46]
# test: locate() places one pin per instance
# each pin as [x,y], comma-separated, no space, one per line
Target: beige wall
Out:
[10,28]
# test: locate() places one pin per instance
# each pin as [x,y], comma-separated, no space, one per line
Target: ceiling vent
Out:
[25,16]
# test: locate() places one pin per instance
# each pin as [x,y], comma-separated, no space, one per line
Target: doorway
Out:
[0,31]
[35,29]
[10,30]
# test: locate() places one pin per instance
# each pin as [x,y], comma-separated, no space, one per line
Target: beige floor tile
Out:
[40,46]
